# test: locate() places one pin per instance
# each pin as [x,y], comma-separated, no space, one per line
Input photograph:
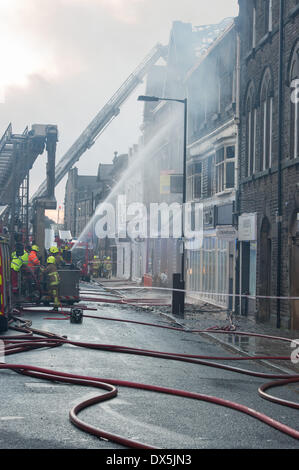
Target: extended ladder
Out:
[103,118]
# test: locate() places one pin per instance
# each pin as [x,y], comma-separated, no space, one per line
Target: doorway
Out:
[265,262]
[294,272]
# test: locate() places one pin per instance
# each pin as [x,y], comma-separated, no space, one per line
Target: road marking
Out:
[10,418]
[40,385]
[146,426]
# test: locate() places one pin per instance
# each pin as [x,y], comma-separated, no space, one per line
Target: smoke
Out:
[143,162]
[122,10]
[61,60]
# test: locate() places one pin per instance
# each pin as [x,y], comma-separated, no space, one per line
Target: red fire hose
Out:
[34,339]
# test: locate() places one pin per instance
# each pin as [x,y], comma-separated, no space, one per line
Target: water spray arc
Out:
[143,158]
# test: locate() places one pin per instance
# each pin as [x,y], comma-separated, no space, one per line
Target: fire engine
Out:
[5,292]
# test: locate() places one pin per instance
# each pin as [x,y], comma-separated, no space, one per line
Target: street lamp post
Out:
[178,298]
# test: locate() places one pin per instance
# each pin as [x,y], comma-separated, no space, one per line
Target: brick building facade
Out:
[269,159]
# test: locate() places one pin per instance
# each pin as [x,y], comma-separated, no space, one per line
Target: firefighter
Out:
[67,255]
[25,257]
[109,267]
[54,251]
[101,268]
[53,281]
[16,266]
[33,261]
[95,267]
[27,276]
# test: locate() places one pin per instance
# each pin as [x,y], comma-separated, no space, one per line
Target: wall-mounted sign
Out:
[226,232]
[171,182]
[164,184]
[248,227]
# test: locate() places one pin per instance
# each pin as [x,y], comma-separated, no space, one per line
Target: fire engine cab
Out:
[5,287]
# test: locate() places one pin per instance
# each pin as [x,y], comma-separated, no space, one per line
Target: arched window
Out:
[267,15]
[250,131]
[266,101]
[294,120]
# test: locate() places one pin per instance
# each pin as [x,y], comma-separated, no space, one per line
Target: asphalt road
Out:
[34,413]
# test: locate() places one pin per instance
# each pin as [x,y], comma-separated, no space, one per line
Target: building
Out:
[268,203]
[212,173]
[78,201]
[131,252]
[163,138]
[84,194]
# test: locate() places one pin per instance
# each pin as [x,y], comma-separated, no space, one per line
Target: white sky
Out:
[61,60]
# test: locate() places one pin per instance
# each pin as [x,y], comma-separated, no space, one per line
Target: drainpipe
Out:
[279,182]
[237,281]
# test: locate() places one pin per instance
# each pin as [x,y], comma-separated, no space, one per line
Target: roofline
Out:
[217,41]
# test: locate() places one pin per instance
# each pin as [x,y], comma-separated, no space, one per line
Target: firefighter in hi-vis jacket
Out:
[53,280]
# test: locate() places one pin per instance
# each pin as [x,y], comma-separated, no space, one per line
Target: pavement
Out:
[203,316]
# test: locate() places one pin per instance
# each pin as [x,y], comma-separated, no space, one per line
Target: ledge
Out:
[287,163]
[225,192]
[266,38]
[260,174]
[294,12]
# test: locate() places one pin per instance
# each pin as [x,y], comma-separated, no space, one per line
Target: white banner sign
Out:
[248,227]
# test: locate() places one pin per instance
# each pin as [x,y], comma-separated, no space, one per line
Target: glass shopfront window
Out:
[208,271]
[252,269]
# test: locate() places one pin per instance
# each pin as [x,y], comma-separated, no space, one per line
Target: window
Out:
[194,177]
[294,118]
[225,168]
[267,16]
[220,170]
[250,132]
[208,271]
[176,184]
[209,172]
[251,30]
[266,121]
[254,28]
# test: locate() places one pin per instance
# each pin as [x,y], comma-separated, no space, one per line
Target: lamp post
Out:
[178,299]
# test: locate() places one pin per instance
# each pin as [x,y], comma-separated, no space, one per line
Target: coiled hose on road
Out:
[35,339]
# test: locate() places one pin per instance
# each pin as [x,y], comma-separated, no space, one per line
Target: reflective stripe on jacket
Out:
[54,278]
[33,260]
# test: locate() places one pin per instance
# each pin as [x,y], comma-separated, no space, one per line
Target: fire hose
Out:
[31,339]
